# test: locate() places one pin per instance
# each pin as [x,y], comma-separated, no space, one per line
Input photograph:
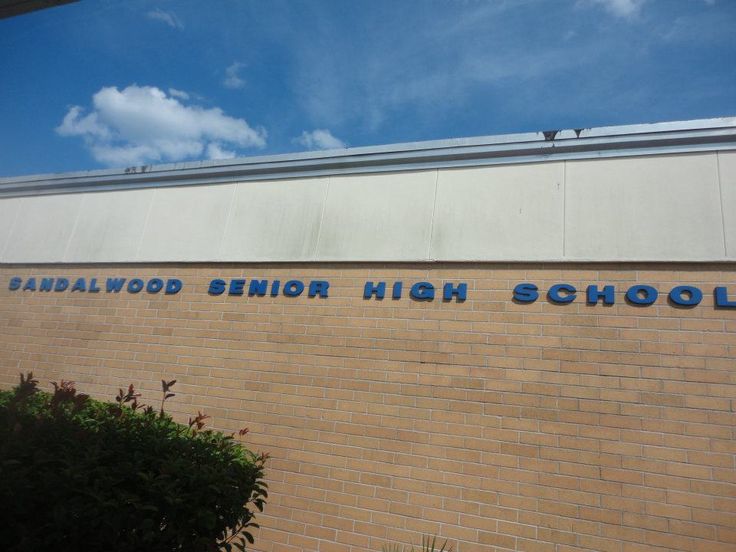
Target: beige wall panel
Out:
[8,214]
[653,208]
[43,228]
[727,172]
[499,213]
[186,224]
[110,226]
[275,220]
[378,217]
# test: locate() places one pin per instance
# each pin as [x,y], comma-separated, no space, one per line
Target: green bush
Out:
[77,474]
[429,544]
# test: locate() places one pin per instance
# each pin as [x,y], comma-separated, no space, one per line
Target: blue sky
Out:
[111,84]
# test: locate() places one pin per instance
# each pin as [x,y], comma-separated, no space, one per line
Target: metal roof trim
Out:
[554,145]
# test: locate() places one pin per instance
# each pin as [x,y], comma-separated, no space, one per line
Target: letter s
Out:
[217,287]
[526,293]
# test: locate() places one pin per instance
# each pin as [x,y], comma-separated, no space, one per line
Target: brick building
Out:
[517,343]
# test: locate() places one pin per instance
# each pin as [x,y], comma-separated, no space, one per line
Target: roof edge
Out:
[552,145]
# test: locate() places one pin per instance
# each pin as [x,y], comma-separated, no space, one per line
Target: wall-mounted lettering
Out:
[639,294]
[596,295]
[170,286]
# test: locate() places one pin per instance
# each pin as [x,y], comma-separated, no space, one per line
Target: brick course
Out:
[500,426]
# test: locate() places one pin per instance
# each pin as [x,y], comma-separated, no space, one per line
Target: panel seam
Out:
[227,223]
[434,214]
[321,218]
[145,225]
[564,210]
[74,228]
[720,202]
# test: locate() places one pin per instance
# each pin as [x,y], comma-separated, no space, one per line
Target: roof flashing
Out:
[552,145]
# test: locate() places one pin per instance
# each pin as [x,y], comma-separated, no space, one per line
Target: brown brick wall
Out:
[501,426]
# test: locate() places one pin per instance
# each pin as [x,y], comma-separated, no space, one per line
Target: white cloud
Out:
[232,77]
[215,151]
[178,94]
[319,139]
[141,124]
[74,125]
[621,8]
[123,155]
[169,18]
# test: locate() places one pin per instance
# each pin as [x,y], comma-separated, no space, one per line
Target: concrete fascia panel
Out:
[9,210]
[274,221]
[110,226]
[42,230]
[727,175]
[654,208]
[499,213]
[378,218]
[186,224]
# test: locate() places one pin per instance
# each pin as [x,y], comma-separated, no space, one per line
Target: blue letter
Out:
[396,294]
[461,292]
[154,285]
[217,287]
[135,285]
[555,297]
[236,287]
[650,295]
[79,285]
[292,288]
[15,283]
[275,287]
[173,285]
[30,285]
[115,284]
[47,284]
[379,290]
[722,301]
[608,295]
[258,287]
[422,291]
[526,293]
[696,296]
[93,286]
[61,284]
[318,287]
